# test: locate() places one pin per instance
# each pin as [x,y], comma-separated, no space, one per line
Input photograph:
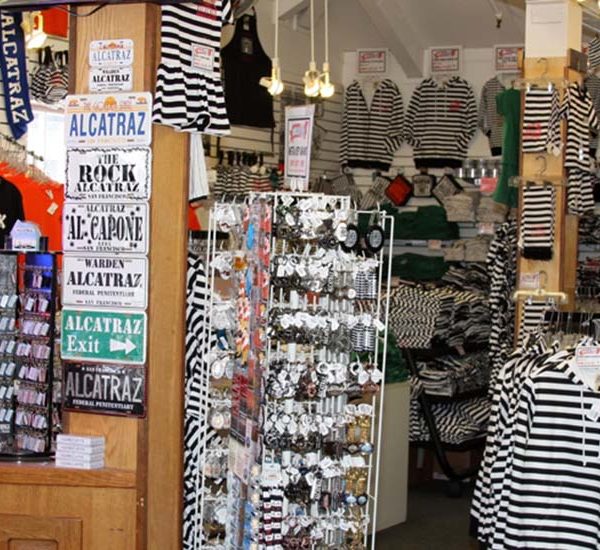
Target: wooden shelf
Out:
[48,474]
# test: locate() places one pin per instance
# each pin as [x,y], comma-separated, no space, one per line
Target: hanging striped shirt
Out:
[592,85]
[537,221]
[189,90]
[440,123]
[541,106]
[490,121]
[594,53]
[371,135]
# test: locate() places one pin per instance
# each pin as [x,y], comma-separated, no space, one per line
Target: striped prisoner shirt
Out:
[371,134]
[592,85]
[541,128]
[440,123]
[537,221]
[553,495]
[189,89]
[490,120]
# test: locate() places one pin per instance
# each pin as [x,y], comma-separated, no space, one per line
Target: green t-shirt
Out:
[508,104]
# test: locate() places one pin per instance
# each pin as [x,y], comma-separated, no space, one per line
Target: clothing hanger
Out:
[540,177]
[544,81]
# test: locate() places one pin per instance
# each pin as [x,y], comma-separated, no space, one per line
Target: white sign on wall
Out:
[117,174]
[108,120]
[372,61]
[105,282]
[106,227]
[506,58]
[445,60]
[298,141]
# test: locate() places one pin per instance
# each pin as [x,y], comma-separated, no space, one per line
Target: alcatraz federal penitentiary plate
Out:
[106,227]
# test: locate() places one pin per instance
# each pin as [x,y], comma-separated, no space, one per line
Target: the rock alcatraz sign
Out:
[116,174]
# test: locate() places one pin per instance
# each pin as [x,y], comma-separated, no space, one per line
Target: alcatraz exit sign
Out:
[100,336]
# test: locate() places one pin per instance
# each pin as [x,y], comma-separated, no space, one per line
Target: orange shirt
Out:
[43,204]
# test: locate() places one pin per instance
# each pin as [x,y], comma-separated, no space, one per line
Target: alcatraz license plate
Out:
[106,227]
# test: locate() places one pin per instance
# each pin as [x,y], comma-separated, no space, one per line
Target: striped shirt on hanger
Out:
[189,90]
[440,122]
[371,134]
[592,85]
[489,120]
[541,128]
[537,221]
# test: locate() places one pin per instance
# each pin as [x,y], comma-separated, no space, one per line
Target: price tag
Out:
[434,244]
[529,281]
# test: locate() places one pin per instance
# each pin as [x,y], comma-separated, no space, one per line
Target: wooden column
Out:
[136,501]
[553,26]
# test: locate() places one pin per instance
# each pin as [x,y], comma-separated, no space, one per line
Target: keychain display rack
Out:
[298,305]
[28,300]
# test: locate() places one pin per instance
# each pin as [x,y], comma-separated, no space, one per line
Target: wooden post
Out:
[560,19]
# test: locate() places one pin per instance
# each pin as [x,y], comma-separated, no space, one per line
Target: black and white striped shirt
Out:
[371,135]
[440,122]
[490,121]
[537,221]
[189,89]
[541,128]
[592,85]
[578,110]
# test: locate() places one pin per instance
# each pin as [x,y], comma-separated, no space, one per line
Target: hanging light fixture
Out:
[312,83]
[35,37]
[274,85]
[327,89]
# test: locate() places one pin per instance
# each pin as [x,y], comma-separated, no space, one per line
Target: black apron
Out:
[244,64]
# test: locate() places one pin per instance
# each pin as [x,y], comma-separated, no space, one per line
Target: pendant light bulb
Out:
[311,81]
[327,88]
[274,84]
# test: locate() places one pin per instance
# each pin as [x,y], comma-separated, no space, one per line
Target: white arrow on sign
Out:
[128,346]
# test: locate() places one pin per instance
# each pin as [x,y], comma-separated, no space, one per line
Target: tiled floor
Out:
[435,522]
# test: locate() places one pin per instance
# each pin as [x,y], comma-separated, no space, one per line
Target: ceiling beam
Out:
[402,41]
[291,8]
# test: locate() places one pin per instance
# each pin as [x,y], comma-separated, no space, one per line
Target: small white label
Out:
[529,281]
[587,356]
[203,58]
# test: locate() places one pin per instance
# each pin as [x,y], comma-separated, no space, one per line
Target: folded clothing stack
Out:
[81,452]
[450,375]
[424,317]
[461,207]
[589,230]
[489,211]
[474,278]
[457,422]
[468,250]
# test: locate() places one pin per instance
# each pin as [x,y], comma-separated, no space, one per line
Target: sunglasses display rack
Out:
[301,340]
[28,355]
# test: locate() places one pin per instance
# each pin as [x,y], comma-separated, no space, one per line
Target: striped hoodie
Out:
[371,135]
[441,122]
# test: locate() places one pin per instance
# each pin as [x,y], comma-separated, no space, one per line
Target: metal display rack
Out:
[27,354]
[254,462]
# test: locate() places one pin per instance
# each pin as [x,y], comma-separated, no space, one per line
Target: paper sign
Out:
[529,281]
[587,356]
[298,141]
[118,174]
[105,227]
[104,389]
[372,61]
[105,282]
[100,336]
[111,53]
[108,120]
[445,60]
[506,58]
